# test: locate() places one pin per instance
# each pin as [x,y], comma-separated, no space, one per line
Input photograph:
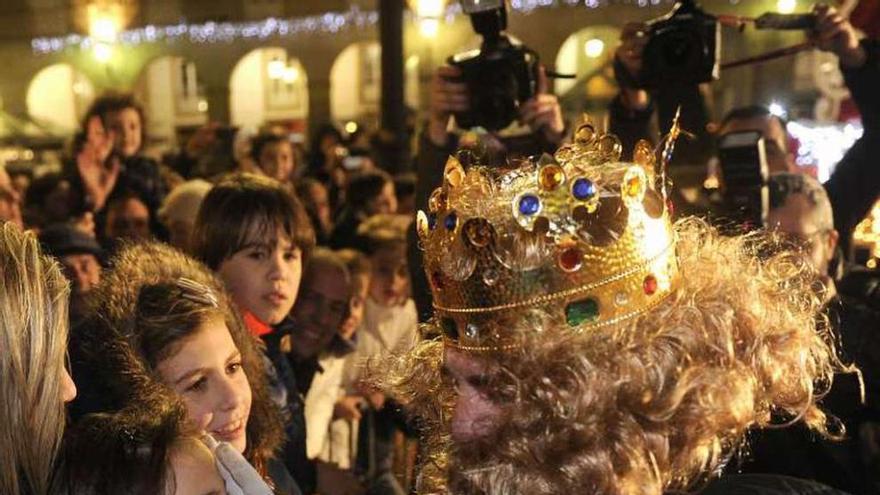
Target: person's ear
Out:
[833,239]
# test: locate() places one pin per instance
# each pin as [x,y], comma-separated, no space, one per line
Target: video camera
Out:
[684,46]
[746,197]
[501,75]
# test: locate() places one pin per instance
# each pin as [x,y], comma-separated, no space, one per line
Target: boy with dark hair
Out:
[255,234]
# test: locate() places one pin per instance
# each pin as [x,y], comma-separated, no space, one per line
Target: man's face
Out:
[128,219]
[319,310]
[798,220]
[10,208]
[83,271]
[475,414]
[775,140]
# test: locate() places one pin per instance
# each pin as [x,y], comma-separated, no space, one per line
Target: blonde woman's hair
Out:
[33,343]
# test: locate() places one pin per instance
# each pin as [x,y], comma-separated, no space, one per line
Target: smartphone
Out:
[743,158]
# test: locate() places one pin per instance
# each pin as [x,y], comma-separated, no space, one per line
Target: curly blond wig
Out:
[655,403]
[126,315]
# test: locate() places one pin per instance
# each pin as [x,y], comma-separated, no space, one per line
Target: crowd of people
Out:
[282,321]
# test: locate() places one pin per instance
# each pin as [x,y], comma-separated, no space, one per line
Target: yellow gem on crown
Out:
[551,177]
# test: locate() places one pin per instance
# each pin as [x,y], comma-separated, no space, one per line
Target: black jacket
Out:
[763,484]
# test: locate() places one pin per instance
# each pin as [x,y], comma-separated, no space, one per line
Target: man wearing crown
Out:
[582,343]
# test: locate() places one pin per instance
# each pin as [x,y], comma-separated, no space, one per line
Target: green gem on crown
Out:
[584,310]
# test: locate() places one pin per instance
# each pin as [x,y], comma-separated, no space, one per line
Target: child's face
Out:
[319,310]
[195,472]
[264,277]
[126,125]
[390,282]
[276,160]
[385,203]
[360,289]
[320,201]
[207,373]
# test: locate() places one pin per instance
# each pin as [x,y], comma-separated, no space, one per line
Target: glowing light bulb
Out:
[430,8]
[777,109]
[786,6]
[291,74]
[594,48]
[351,127]
[276,69]
[104,29]
[429,27]
[103,52]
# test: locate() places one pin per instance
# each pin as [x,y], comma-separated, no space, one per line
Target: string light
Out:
[326,23]
[823,145]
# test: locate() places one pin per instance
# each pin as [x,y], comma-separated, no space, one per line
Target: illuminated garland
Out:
[327,23]
[823,145]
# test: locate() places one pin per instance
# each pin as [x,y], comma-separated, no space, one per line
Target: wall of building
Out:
[545,30]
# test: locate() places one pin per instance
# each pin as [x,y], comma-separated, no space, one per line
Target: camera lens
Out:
[680,49]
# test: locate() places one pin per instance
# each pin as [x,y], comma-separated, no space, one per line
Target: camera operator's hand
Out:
[835,34]
[447,97]
[543,113]
[633,40]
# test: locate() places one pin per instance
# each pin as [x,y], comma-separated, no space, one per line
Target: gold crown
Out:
[579,233]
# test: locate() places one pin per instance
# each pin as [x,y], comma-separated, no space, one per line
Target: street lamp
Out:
[104,27]
[786,6]
[428,14]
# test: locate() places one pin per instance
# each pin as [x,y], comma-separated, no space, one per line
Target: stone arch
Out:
[587,53]
[58,97]
[268,85]
[356,83]
[173,96]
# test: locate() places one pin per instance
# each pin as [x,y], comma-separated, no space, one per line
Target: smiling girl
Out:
[183,328]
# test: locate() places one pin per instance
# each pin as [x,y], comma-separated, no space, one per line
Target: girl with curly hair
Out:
[177,319]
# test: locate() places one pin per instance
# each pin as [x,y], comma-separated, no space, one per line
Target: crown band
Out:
[449,342]
[559,295]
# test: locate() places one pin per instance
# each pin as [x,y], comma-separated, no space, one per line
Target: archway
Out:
[588,54]
[356,83]
[268,86]
[173,97]
[58,97]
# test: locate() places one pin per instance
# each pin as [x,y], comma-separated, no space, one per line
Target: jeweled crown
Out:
[579,233]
